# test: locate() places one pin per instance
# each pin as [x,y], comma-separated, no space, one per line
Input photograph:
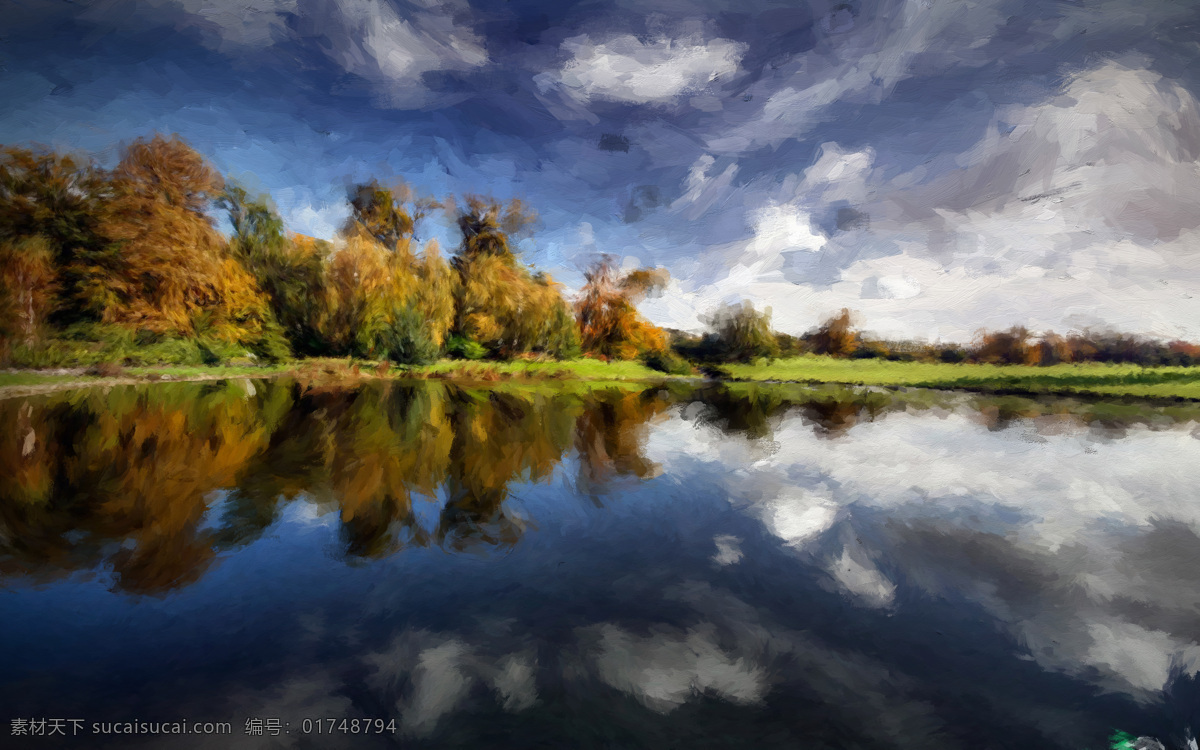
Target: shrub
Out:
[461,347]
[669,362]
[407,340]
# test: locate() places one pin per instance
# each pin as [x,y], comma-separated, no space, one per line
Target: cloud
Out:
[857,576]
[392,47]
[729,550]
[629,70]
[664,670]
[1069,212]
[863,66]
[1091,524]
[389,47]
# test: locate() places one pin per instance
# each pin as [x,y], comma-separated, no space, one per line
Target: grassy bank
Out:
[563,375]
[1084,379]
[1087,378]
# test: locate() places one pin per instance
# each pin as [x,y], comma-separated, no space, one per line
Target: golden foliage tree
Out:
[174,273]
[501,304]
[385,300]
[60,199]
[28,281]
[609,322]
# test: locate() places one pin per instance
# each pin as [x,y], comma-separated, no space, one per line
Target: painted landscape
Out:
[481,374]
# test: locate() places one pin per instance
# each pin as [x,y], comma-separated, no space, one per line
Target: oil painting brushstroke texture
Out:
[608,374]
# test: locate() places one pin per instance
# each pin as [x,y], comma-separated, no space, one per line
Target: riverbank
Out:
[323,371]
[1094,379]
[1089,378]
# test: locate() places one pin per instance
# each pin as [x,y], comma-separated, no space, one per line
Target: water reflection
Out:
[745,564]
[156,481]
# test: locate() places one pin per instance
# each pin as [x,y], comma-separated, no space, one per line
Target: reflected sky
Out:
[742,565]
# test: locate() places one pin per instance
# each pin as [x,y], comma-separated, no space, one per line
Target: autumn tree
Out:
[609,322]
[61,199]
[835,337]
[173,273]
[27,288]
[386,300]
[500,303]
[1050,349]
[1010,347]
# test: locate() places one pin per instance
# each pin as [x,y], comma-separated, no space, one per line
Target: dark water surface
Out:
[758,567]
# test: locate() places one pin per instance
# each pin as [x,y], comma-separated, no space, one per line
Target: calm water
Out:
[744,567]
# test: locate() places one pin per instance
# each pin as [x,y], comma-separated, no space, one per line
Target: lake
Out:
[426,565]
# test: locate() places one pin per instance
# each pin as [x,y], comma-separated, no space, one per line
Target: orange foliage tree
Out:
[173,273]
[609,322]
[28,287]
[836,336]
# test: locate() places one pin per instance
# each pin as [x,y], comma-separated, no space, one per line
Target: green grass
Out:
[1089,378]
[578,369]
[201,371]
[1086,378]
[8,379]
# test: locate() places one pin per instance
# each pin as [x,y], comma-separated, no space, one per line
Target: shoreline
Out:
[1087,380]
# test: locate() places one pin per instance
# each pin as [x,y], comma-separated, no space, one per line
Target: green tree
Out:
[739,333]
[289,269]
[63,200]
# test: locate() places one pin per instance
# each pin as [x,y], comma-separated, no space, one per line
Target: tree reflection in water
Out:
[155,482]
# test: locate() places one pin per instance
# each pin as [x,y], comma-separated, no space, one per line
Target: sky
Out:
[936,166]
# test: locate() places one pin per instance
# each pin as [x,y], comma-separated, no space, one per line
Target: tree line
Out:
[127,263]
[739,333]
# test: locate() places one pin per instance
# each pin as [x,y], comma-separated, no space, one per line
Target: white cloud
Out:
[391,50]
[779,228]
[729,550]
[665,670]
[1080,524]
[627,69]
[1074,211]
[862,579]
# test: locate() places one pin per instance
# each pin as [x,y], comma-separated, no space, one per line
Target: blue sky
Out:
[937,166]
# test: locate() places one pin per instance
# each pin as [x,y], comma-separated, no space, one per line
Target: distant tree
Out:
[1050,349]
[609,322]
[739,333]
[789,345]
[835,337]
[1009,347]
[1183,353]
